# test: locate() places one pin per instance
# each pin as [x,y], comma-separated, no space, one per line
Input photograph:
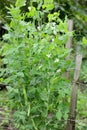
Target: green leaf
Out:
[20,3]
[44,96]
[48,1]
[48,6]
[58,115]
[84,41]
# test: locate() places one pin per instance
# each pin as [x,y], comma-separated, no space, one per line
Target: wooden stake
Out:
[69,44]
[73,102]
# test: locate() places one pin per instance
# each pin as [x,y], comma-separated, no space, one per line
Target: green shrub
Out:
[35,65]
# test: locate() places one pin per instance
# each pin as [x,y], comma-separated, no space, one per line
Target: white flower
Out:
[56,60]
[38,28]
[54,23]
[54,32]
[52,40]
[58,71]
[48,55]
[29,8]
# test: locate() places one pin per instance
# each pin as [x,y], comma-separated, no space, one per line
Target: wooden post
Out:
[69,44]
[73,102]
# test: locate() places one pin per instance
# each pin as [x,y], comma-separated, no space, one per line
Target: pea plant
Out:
[34,55]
